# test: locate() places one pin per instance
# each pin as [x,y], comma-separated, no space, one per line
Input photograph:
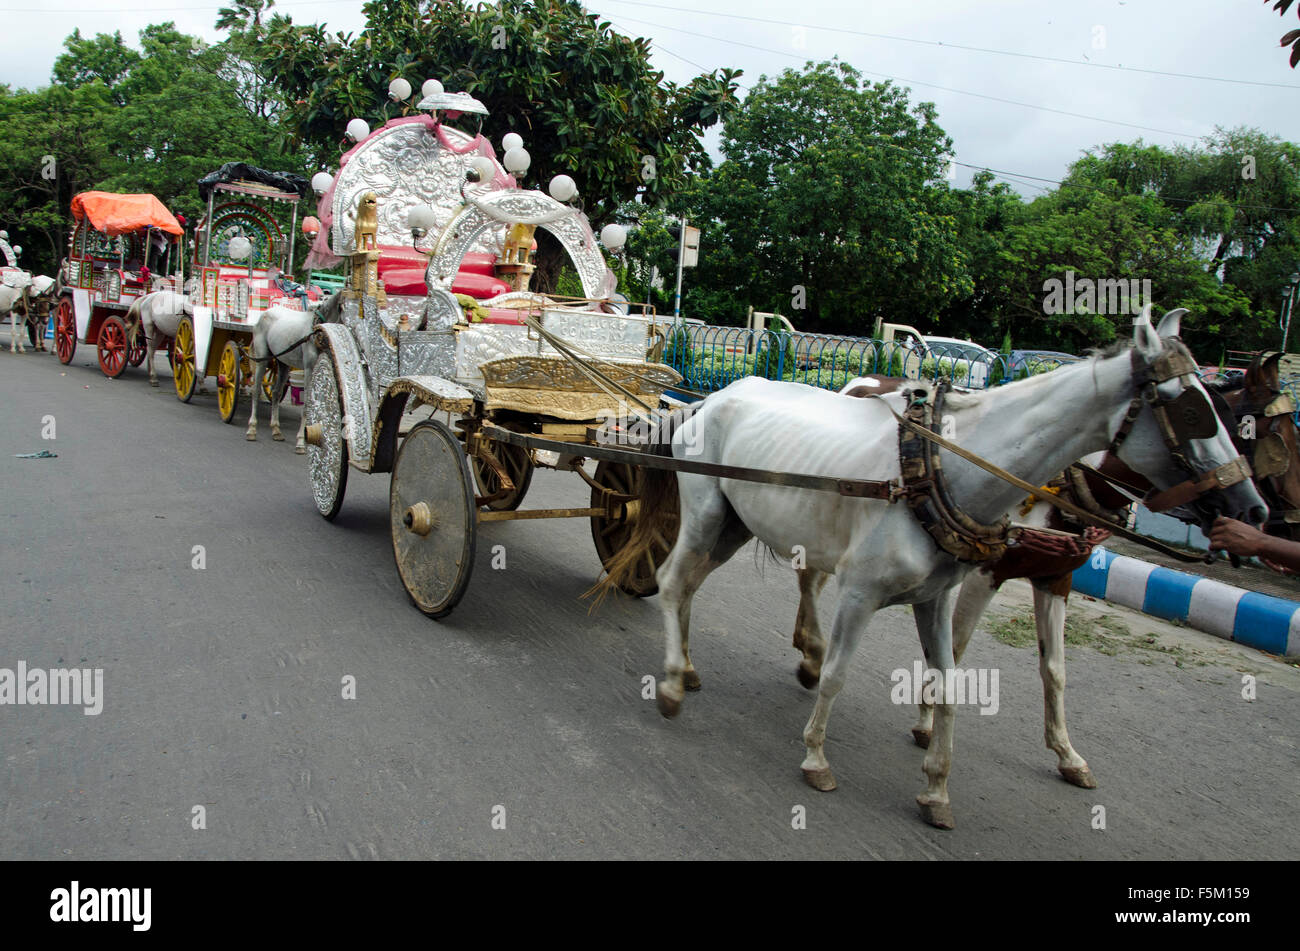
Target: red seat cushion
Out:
[478,286]
[407,281]
[394,257]
[479,262]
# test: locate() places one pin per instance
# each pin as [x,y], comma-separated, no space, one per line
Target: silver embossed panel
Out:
[602,335]
[478,344]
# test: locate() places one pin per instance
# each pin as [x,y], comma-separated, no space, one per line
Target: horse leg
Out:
[977,592]
[309,357]
[934,624]
[709,535]
[277,393]
[258,366]
[851,620]
[808,637]
[1049,616]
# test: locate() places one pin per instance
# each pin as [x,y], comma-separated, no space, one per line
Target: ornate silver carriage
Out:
[439,240]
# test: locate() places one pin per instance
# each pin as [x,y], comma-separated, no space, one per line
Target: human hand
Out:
[1237,538]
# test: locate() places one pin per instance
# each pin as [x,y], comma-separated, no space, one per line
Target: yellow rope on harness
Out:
[1030,500]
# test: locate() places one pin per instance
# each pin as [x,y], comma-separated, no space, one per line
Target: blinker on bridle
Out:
[1186,417]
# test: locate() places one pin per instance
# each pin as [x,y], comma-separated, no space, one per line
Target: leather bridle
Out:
[1185,417]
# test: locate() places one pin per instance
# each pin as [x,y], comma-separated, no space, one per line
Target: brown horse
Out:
[1266,434]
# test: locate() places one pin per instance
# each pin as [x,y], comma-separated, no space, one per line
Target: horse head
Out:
[1172,434]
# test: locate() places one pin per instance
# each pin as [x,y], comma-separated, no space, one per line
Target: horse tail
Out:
[658,508]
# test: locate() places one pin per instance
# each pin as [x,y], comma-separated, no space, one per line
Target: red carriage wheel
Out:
[138,349]
[112,347]
[65,330]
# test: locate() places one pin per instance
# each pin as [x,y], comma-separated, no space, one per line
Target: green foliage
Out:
[585,99]
[150,120]
[830,184]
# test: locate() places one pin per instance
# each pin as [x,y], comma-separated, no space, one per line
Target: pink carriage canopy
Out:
[114,214]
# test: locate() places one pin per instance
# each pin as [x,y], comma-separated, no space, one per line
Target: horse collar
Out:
[926,489]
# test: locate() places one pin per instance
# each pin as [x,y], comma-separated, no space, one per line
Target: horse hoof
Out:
[668,706]
[921,737]
[300,450]
[691,680]
[153,383]
[278,437]
[937,814]
[807,678]
[822,778]
[251,437]
[1080,776]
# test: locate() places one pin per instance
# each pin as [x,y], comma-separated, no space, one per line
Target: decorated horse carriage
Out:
[243,255]
[114,241]
[440,239]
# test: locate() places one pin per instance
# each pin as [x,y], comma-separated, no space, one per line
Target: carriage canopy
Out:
[114,214]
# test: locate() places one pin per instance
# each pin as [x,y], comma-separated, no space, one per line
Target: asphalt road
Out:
[223,686]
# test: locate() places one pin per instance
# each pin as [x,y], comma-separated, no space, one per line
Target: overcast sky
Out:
[1227,39]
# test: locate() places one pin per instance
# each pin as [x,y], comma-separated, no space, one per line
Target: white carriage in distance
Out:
[451,325]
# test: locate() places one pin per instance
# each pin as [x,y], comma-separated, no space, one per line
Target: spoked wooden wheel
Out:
[138,348]
[65,330]
[327,445]
[228,377]
[184,372]
[433,518]
[611,534]
[112,347]
[518,464]
[270,377]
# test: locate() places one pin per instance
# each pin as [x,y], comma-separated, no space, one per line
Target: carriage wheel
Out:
[184,372]
[138,350]
[229,374]
[518,463]
[611,534]
[271,376]
[65,330]
[112,347]
[327,445]
[432,517]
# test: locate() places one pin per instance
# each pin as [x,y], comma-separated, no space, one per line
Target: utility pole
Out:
[1288,307]
[681,254]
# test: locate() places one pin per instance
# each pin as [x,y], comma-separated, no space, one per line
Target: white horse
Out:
[286,336]
[15,302]
[159,315]
[879,551]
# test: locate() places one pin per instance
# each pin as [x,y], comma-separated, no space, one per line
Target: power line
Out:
[959,46]
[1030,180]
[917,82]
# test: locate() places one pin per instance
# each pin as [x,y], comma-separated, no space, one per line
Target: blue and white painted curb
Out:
[1247,617]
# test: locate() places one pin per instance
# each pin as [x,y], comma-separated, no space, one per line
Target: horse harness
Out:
[1186,417]
[924,487]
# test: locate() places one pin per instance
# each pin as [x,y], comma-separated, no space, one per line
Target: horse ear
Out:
[1262,376]
[1145,338]
[1171,323]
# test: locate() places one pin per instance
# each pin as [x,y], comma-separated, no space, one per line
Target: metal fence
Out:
[711,357]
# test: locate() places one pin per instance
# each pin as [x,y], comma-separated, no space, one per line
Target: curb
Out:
[1257,620]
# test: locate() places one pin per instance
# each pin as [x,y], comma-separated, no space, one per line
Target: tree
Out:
[120,119]
[1292,37]
[585,99]
[831,207]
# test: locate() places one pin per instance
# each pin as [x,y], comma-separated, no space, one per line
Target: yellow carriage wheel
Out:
[229,375]
[184,373]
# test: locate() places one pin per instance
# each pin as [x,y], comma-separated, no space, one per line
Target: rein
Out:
[1035,491]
